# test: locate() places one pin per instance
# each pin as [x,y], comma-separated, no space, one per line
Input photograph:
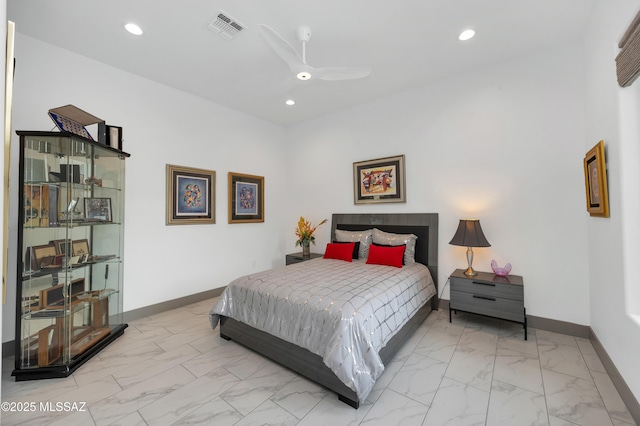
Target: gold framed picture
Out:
[595,180]
[191,195]
[246,198]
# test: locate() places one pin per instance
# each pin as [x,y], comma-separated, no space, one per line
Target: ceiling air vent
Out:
[225,25]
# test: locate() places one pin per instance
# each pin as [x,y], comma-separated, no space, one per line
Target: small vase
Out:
[306,250]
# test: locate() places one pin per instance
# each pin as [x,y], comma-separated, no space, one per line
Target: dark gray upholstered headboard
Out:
[424,225]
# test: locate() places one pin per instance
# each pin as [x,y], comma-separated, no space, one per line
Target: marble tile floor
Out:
[172,369]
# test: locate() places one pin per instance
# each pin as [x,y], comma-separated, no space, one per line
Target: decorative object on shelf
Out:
[80,247]
[62,246]
[190,195]
[469,234]
[501,272]
[304,232]
[36,205]
[595,180]
[98,209]
[246,198]
[93,181]
[72,119]
[110,135]
[379,181]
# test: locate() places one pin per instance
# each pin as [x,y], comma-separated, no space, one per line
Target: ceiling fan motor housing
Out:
[304,34]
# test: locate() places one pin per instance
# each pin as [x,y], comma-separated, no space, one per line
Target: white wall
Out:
[3,30]
[612,114]
[161,126]
[503,144]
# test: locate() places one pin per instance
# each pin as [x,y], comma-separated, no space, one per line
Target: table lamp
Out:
[469,234]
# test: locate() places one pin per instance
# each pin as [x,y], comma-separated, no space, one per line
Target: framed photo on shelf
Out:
[246,198]
[37,255]
[379,181]
[98,209]
[80,247]
[62,246]
[190,195]
[595,180]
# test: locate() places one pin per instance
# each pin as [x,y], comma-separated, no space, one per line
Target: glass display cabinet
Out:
[70,260]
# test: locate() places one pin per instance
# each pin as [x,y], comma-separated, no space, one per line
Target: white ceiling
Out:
[407,43]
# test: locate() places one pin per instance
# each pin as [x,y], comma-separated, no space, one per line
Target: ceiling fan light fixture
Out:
[133,28]
[303,75]
[466,35]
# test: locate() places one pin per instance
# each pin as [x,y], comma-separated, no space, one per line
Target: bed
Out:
[318,352]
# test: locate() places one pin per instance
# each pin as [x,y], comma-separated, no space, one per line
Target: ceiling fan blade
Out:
[341,73]
[281,46]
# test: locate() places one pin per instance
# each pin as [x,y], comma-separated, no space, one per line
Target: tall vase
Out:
[306,250]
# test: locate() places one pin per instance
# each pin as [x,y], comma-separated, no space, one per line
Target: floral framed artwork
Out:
[190,195]
[595,180]
[379,181]
[246,198]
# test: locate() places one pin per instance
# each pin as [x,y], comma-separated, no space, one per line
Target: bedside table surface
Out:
[292,258]
[299,255]
[489,277]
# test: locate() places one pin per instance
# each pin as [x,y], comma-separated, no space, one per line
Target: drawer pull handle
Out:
[481,283]
[493,299]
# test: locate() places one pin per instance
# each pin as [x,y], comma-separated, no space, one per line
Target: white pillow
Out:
[389,239]
[352,236]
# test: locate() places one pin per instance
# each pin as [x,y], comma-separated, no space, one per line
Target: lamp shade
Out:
[469,234]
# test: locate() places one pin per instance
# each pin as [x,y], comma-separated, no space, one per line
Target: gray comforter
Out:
[344,312]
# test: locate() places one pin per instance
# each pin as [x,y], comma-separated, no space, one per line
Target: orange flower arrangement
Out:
[304,232]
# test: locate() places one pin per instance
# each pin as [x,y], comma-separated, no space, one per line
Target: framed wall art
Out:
[379,181]
[595,180]
[190,195]
[246,198]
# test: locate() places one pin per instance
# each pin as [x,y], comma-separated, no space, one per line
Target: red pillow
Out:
[339,251]
[390,256]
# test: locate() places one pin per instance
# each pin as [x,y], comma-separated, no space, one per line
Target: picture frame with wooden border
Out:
[246,198]
[53,297]
[191,196]
[595,179]
[40,253]
[62,246]
[80,247]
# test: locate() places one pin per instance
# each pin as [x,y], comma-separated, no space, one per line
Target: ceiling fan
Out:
[298,64]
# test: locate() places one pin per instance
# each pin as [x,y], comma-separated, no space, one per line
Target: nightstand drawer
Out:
[497,307]
[490,289]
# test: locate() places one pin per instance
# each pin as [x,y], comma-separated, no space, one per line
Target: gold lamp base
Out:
[470,272]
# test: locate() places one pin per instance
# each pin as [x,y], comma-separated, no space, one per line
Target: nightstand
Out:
[490,295]
[297,258]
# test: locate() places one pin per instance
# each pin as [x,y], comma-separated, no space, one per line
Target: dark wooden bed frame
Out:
[310,365]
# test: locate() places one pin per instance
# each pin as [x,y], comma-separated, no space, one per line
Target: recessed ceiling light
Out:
[290,102]
[466,35]
[303,75]
[133,29]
